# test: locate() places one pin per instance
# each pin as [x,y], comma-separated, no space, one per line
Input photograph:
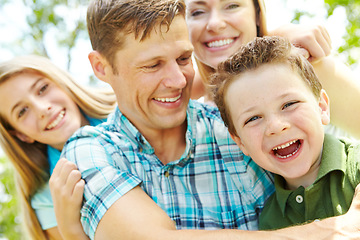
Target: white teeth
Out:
[220,43]
[56,121]
[289,155]
[168,99]
[284,145]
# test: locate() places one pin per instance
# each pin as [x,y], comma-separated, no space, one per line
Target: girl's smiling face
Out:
[219,27]
[39,110]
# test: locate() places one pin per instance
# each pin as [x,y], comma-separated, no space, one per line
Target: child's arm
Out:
[344,93]
[67,189]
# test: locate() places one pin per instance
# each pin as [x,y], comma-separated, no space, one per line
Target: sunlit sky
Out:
[12,24]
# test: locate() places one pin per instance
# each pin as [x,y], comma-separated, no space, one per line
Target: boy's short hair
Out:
[109,21]
[261,51]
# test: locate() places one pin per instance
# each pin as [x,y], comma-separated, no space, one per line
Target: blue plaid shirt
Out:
[212,186]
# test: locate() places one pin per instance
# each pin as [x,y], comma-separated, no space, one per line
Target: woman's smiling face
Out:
[219,27]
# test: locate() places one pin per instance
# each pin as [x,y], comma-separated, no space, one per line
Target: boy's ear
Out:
[99,65]
[22,136]
[324,105]
[238,142]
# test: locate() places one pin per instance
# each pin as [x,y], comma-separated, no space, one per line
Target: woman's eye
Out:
[22,112]
[233,6]
[196,13]
[251,119]
[43,88]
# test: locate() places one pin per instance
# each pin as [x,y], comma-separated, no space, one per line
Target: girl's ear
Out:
[324,105]
[238,142]
[21,136]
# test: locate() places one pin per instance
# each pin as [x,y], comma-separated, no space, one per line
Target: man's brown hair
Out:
[265,50]
[109,21]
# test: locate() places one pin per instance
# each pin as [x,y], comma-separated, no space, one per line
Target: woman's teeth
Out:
[220,43]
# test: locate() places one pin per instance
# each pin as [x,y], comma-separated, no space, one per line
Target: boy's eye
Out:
[43,88]
[251,119]
[286,105]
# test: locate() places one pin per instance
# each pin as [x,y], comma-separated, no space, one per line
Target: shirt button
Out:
[167,174]
[299,199]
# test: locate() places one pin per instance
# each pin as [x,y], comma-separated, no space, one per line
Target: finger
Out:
[323,39]
[59,177]
[79,191]
[302,51]
[73,178]
[326,35]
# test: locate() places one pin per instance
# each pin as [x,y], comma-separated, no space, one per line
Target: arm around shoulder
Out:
[136,216]
[344,92]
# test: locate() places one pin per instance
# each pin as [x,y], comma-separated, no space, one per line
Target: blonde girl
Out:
[42,106]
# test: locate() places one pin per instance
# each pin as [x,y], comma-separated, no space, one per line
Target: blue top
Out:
[42,202]
[213,185]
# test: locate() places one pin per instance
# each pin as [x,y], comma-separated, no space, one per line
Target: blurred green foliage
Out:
[9,217]
[352,38]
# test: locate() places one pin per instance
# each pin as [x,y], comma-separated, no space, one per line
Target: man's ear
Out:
[21,136]
[238,142]
[324,105]
[99,65]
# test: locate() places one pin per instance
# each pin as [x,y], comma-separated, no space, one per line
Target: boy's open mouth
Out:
[287,150]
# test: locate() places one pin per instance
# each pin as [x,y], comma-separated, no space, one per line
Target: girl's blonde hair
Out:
[205,71]
[30,160]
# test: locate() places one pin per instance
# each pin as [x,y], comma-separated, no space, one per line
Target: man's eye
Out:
[184,60]
[251,119]
[152,66]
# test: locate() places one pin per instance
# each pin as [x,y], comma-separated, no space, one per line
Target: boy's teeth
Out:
[284,145]
[56,121]
[168,99]
[220,43]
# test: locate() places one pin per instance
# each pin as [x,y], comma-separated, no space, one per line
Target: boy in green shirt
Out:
[275,109]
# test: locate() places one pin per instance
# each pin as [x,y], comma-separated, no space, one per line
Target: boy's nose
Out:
[276,125]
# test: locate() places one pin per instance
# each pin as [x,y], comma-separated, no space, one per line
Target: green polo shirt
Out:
[330,195]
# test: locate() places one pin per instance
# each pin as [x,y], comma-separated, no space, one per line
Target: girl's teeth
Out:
[56,121]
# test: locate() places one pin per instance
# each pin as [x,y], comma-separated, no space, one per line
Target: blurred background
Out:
[57,29]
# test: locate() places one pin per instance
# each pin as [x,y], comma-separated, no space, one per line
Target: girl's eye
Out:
[22,112]
[43,88]
[251,119]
